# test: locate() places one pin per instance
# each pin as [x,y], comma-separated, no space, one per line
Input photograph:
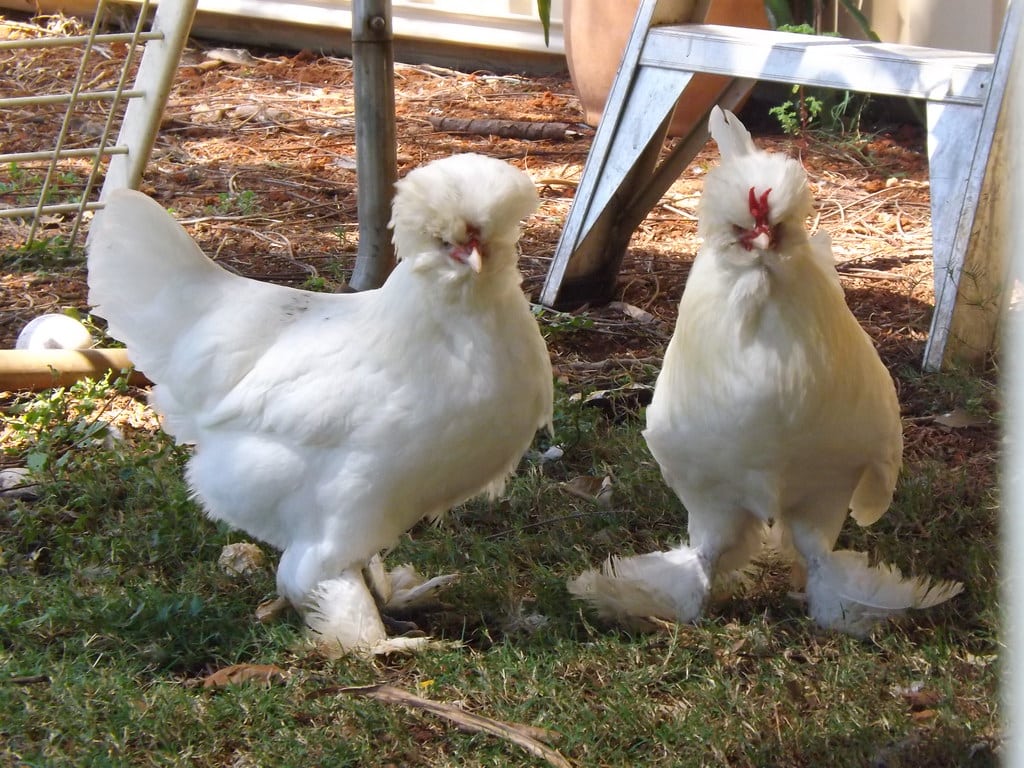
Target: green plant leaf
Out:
[779,13]
[861,19]
[36,461]
[544,11]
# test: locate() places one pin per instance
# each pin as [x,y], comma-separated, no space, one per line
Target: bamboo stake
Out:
[31,370]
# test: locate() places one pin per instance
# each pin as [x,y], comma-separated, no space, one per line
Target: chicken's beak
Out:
[762,241]
[470,254]
[474,260]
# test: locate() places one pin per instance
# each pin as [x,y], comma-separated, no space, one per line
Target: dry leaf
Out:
[238,56]
[922,698]
[241,558]
[260,113]
[236,674]
[637,393]
[958,418]
[17,483]
[595,489]
[206,113]
[640,315]
[271,609]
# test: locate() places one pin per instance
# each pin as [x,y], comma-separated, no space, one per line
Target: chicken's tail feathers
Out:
[671,585]
[729,133]
[146,275]
[845,592]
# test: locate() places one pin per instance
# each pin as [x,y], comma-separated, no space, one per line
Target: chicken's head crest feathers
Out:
[461,214]
[729,133]
[752,193]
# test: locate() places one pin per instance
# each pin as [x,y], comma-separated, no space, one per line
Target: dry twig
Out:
[525,736]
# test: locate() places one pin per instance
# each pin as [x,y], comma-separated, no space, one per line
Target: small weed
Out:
[43,255]
[827,110]
[797,116]
[344,235]
[16,177]
[329,280]
[232,204]
[555,324]
[25,185]
[315,283]
[48,430]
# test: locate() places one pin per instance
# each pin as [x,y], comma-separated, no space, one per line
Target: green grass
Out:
[114,610]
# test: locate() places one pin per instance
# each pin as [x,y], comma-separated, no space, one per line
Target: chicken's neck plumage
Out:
[764,324]
[745,292]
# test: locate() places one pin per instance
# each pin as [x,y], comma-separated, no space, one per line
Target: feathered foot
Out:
[847,594]
[672,585]
[402,591]
[343,615]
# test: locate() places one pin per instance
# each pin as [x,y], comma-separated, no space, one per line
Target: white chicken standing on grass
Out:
[773,416]
[329,424]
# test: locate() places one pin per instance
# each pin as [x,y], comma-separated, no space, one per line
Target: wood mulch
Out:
[256,155]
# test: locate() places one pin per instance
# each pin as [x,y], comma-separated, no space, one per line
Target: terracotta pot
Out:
[596,32]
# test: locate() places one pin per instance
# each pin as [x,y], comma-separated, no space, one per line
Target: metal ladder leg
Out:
[156,74]
[971,258]
[622,181]
[621,160]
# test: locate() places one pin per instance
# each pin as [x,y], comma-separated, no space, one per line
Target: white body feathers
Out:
[772,407]
[328,424]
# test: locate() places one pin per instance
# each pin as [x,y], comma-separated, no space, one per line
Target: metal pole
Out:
[376,152]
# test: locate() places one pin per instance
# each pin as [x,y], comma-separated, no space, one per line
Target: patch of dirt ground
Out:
[256,155]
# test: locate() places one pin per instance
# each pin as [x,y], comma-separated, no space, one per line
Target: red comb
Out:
[759,207]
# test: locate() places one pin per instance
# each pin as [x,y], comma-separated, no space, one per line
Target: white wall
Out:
[479,34]
[967,25]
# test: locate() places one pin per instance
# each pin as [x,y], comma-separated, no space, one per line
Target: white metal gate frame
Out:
[143,104]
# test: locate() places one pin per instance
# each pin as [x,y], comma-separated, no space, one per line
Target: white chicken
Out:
[773,416]
[328,424]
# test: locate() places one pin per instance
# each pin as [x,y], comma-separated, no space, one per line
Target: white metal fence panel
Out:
[96,130]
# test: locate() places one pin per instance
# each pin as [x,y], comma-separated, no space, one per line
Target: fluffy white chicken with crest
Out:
[328,424]
[773,416]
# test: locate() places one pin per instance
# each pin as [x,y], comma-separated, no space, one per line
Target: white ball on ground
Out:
[53,331]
